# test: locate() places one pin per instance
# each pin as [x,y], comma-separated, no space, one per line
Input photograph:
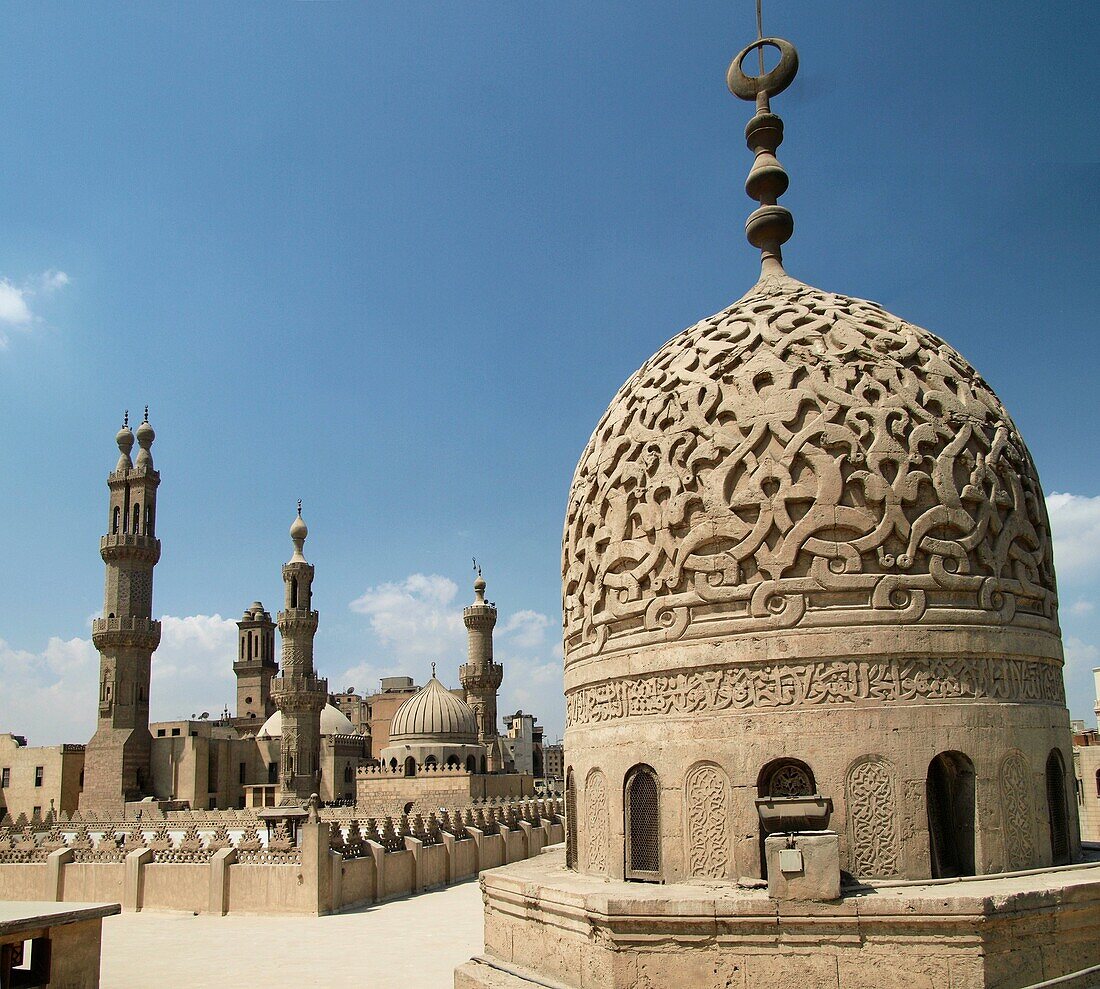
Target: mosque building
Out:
[288,738]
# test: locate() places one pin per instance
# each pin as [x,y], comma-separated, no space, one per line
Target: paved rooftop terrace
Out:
[413,943]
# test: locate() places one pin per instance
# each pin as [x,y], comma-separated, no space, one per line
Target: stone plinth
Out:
[545,925]
[803,866]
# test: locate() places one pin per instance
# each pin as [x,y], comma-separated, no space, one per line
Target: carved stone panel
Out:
[707,822]
[1018,822]
[873,819]
[596,819]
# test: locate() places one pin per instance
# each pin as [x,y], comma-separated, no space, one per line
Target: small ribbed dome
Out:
[434,713]
[333,722]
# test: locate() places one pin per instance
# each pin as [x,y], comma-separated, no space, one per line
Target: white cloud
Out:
[13,304]
[193,667]
[1081,607]
[1080,655]
[418,619]
[526,628]
[1075,525]
[413,618]
[50,696]
[15,300]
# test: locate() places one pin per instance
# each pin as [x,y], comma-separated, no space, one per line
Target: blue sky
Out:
[395,259]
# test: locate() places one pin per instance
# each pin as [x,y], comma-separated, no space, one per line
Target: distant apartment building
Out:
[39,779]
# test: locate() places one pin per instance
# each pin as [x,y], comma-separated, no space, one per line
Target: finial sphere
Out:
[771,83]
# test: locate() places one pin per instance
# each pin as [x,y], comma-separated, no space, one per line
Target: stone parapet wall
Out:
[545,925]
[335,864]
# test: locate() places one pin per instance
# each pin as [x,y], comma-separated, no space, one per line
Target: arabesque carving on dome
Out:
[802,459]
[824,682]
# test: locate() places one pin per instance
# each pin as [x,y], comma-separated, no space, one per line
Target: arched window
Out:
[137,519]
[1098,782]
[484,766]
[410,766]
[430,762]
[641,804]
[471,764]
[148,520]
[570,821]
[1056,808]
[949,793]
[786,778]
[273,772]
[452,762]
[115,520]
[347,773]
[290,765]
[294,592]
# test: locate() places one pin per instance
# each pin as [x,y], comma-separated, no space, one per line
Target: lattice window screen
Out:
[570,821]
[1056,802]
[643,830]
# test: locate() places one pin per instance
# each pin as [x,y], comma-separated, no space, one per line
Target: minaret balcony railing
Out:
[129,546]
[297,618]
[479,616]
[477,676]
[139,633]
[299,692]
[118,478]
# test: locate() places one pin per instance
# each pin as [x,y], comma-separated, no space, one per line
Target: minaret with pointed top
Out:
[480,676]
[299,694]
[117,760]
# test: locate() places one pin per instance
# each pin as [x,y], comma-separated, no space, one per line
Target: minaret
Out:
[117,760]
[480,676]
[255,666]
[298,692]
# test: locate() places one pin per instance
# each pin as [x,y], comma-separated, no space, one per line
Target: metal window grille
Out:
[1056,805]
[570,822]
[790,780]
[643,831]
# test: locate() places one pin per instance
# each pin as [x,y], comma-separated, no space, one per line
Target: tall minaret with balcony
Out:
[117,759]
[299,693]
[480,676]
[255,667]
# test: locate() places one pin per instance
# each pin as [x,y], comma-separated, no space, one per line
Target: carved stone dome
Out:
[807,557]
[434,714]
[802,460]
[807,546]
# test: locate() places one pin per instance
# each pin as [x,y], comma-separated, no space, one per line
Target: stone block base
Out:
[547,926]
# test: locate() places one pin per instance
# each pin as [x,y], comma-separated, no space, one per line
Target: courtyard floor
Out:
[412,943]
